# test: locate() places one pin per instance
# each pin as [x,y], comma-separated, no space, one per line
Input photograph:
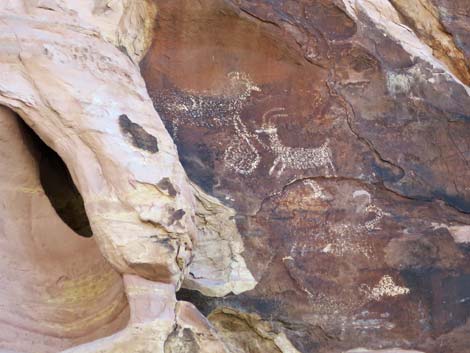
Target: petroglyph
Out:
[215,112]
[373,224]
[203,109]
[385,288]
[347,237]
[370,208]
[297,158]
[241,155]
[341,239]
[317,189]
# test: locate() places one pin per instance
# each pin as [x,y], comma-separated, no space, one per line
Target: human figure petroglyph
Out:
[299,158]
[241,155]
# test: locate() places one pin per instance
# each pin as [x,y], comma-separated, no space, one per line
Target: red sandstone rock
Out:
[338,131]
[329,143]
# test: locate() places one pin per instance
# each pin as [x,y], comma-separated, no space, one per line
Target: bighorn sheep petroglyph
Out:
[294,157]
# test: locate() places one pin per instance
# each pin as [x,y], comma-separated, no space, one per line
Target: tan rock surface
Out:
[244,332]
[336,130]
[159,324]
[392,350]
[137,196]
[69,71]
[56,288]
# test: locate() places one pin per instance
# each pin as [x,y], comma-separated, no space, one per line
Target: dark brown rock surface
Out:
[345,155]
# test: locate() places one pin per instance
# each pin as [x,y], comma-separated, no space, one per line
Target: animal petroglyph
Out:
[203,109]
[242,155]
[215,112]
[347,237]
[298,158]
[370,208]
[373,223]
[385,288]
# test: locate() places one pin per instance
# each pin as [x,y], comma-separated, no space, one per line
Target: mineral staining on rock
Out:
[57,289]
[137,135]
[244,332]
[347,167]
[66,76]
[336,131]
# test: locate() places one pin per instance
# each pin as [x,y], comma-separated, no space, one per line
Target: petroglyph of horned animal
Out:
[299,158]
[207,110]
[219,112]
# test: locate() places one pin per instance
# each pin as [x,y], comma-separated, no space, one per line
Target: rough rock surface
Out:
[339,132]
[69,71]
[327,146]
[57,290]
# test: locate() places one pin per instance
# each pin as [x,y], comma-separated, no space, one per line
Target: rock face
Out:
[57,289]
[339,132]
[69,71]
[328,198]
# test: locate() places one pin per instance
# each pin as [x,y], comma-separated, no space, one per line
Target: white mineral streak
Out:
[386,18]
[63,74]
[461,234]
[283,343]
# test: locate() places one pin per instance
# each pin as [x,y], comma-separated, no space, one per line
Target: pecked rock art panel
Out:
[341,142]
[224,115]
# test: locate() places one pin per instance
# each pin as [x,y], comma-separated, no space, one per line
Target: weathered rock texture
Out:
[328,144]
[339,132]
[69,71]
[57,290]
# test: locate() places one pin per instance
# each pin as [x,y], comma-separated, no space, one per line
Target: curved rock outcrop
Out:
[69,71]
[326,144]
[57,289]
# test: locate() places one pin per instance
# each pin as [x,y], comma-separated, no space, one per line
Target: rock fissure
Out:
[342,186]
[424,19]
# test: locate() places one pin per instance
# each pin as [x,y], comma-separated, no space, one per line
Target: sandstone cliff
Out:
[234,176]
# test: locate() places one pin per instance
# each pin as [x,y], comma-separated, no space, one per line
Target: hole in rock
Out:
[204,304]
[57,290]
[59,186]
